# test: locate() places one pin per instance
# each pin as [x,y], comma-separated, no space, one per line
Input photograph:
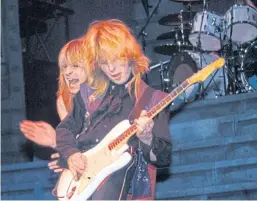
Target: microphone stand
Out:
[143,33]
[148,20]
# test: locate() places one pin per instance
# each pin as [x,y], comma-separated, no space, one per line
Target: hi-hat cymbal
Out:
[176,34]
[171,48]
[177,18]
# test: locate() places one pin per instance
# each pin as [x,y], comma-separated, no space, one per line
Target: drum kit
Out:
[199,38]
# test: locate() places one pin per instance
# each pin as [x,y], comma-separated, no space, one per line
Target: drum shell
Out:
[244,24]
[211,31]
[190,61]
[249,81]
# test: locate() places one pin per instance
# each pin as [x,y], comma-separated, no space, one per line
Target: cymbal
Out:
[177,18]
[192,2]
[185,0]
[170,49]
[175,34]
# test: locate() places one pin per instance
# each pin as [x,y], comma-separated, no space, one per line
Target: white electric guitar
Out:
[110,154]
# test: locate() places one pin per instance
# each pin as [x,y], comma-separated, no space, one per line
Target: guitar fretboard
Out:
[124,137]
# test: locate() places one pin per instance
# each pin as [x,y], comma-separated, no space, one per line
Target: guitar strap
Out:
[140,105]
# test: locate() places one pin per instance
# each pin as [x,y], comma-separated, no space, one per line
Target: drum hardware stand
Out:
[199,45]
[230,50]
[233,83]
[223,69]
[189,8]
[161,70]
[213,76]
[232,79]
[159,64]
[181,28]
[212,79]
[143,33]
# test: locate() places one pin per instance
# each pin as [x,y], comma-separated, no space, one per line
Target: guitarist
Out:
[116,62]
[72,74]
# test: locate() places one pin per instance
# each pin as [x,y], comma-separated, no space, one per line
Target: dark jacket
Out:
[84,126]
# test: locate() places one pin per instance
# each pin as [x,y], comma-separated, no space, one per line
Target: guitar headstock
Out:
[206,71]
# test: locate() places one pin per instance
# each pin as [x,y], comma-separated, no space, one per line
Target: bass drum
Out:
[181,67]
[249,68]
[184,65]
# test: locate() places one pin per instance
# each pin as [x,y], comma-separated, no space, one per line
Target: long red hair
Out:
[71,53]
[109,40]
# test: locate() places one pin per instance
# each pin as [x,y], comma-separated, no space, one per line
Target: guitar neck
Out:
[168,99]
[125,136]
[199,76]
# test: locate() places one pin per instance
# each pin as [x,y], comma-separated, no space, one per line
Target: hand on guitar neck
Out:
[144,128]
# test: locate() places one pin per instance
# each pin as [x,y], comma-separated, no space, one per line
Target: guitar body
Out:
[101,162]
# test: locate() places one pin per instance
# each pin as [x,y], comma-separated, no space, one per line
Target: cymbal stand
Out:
[179,43]
[199,45]
[233,83]
[162,76]
[229,68]
[189,9]
[230,50]
[162,70]
[221,29]
[220,92]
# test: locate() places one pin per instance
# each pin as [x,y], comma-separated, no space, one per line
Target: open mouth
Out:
[73,82]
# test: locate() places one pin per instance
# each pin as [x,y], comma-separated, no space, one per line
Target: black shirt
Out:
[115,107]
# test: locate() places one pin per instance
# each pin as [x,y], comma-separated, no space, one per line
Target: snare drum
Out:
[243,25]
[211,31]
